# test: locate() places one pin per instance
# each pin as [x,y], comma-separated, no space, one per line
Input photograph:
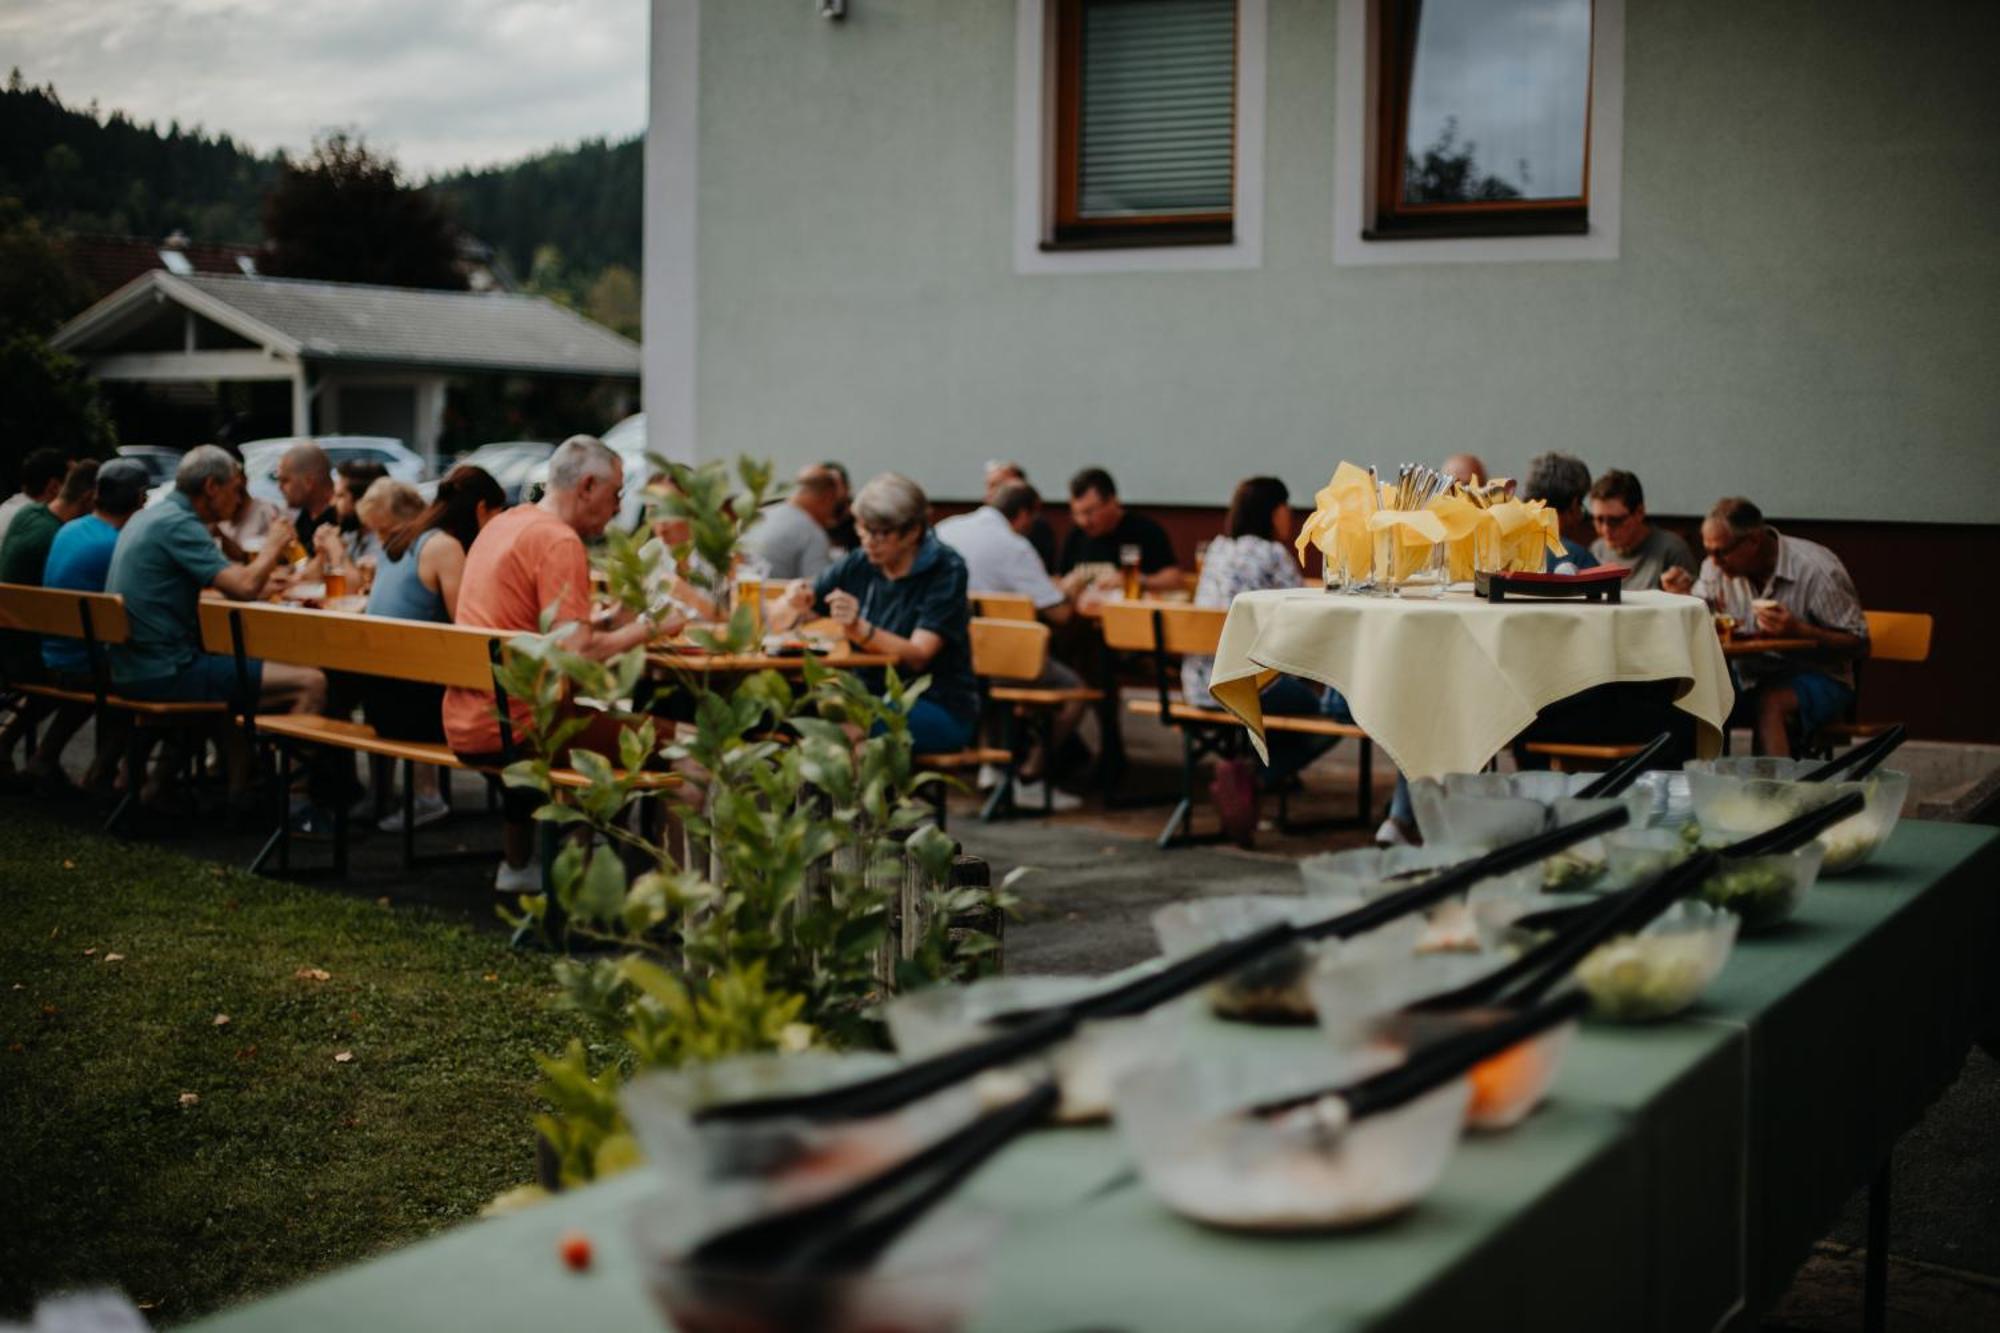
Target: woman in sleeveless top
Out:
[416,578]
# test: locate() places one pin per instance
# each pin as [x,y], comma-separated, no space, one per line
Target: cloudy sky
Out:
[436,83]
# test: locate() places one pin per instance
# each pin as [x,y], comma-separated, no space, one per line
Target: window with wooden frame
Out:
[1145,130]
[1482,119]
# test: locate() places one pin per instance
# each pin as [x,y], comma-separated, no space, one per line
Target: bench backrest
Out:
[1008,649]
[1899,636]
[413,650]
[1003,606]
[1183,629]
[61,611]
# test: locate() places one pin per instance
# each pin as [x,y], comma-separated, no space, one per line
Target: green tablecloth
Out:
[1673,1180]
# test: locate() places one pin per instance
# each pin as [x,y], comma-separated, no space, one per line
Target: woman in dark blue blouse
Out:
[903,594]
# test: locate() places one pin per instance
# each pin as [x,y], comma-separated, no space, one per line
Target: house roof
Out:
[350,322]
[106,263]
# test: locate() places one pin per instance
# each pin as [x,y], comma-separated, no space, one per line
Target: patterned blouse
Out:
[1234,565]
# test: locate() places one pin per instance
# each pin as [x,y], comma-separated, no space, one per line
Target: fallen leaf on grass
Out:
[343,1057]
[112,958]
[222,1020]
[381,902]
[50,1011]
[190,1098]
[313,974]
[91,950]
[246,1052]
[491,976]
[68,864]
[17,1048]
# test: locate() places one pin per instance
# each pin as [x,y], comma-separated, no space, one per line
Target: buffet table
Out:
[1442,683]
[1673,1180]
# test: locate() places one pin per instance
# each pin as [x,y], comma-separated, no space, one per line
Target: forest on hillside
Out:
[564,222]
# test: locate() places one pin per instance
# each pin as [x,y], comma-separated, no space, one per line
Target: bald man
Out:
[790,537]
[1466,468]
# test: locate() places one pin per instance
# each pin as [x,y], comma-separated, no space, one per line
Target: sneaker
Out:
[1029,796]
[515,880]
[313,823]
[427,809]
[991,776]
[1391,835]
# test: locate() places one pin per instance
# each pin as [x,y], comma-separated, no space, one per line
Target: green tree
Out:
[613,300]
[47,400]
[345,215]
[38,289]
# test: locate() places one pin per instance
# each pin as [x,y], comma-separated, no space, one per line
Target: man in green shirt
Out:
[22,554]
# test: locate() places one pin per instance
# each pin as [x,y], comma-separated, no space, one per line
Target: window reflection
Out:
[1499,101]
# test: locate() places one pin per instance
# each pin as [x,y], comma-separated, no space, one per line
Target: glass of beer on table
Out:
[1128,565]
[336,583]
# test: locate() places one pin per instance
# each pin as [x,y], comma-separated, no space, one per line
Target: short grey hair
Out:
[201,465]
[308,459]
[1742,517]
[578,457]
[1560,480]
[891,503]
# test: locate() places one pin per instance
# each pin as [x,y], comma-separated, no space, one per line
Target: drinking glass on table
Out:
[1128,565]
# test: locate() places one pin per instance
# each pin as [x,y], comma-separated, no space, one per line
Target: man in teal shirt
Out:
[165,558]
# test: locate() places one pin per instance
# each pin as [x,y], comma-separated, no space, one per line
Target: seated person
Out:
[305,478]
[417,578]
[23,553]
[1254,553]
[904,594]
[165,557]
[1787,588]
[1466,469]
[1001,473]
[1103,528]
[993,541]
[351,481]
[841,534]
[1625,538]
[79,559]
[1561,481]
[42,473]
[528,558]
[790,537]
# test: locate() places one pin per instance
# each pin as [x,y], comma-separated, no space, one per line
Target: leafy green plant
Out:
[779,910]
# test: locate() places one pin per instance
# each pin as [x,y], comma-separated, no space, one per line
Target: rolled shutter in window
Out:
[1158,131]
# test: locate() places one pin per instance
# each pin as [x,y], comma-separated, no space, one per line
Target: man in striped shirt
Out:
[1780,587]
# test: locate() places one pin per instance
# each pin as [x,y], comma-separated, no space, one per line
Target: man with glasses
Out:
[1624,537]
[1780,587]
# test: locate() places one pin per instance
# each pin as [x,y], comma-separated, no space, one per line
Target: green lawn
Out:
[191,1161]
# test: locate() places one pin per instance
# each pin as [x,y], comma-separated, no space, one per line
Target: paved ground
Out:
[1087,908]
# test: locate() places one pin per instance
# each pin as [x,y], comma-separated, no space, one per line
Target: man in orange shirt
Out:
[528,559]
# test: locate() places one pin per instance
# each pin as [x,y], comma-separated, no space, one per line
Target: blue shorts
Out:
[210,678]
[1822,699]
[937,730]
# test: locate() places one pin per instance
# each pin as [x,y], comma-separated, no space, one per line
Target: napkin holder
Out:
[1603,584]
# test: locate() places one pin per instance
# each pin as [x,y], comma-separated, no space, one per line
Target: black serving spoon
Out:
[1789,836]
[1431,1065]
[1863,758]
[1027,1031]
[1616,779]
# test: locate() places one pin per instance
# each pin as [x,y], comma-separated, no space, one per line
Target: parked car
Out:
[158,460]
[260,459]
[512,463]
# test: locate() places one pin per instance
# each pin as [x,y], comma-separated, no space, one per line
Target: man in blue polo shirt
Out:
[164,559]
[78,559]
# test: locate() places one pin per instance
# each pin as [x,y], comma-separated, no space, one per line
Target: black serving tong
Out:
[1616,779]
[1434,1064]
[1027,1031]
[848,1230]
[1789,836]
[1864,758]
[1553,957]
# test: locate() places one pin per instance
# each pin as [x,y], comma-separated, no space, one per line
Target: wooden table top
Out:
[1749,647]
